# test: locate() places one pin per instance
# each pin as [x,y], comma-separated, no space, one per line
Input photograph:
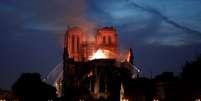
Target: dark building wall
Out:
[93,79]
[104,82]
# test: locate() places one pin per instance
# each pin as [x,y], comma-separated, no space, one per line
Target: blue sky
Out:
[163,33]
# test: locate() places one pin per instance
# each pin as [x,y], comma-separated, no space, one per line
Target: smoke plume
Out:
[77,16]
[166,19]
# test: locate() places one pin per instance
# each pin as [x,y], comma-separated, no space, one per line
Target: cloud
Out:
[191,36]
[33,26]
[143,23]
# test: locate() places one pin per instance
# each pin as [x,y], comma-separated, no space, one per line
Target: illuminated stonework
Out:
[94,69]
[81,49]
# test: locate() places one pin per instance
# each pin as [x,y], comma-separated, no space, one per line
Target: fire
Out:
[100,54]
[90,74]
[128,57]
[103,45]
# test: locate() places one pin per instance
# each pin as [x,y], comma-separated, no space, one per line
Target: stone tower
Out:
[93,79]
[73,41]
[106,39]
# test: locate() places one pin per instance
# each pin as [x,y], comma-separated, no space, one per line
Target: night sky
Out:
[162,33]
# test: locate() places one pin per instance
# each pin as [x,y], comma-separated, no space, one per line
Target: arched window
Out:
[109,40]
[73,43]
[104,40]
[78,43]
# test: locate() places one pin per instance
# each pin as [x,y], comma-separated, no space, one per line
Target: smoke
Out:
[166,19]
[77,16]
[150,27]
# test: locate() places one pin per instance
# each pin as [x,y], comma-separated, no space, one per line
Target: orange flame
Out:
[100,54]
[128,56]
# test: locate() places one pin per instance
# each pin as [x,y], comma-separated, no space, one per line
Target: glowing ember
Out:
[90,74]
[100,54]
[128,57]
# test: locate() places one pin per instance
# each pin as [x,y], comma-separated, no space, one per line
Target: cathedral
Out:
[95,69]
[80,48]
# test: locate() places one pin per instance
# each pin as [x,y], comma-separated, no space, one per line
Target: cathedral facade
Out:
[80,48]
[94,70]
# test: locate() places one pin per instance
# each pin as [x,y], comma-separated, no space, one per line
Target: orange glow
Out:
[90,74]
[128,56]
[100,54]
[79,46]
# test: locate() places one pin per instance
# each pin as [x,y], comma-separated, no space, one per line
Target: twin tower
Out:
[81,48]
[91,68]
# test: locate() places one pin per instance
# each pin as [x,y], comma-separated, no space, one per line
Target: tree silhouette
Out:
[192,72]
[191,79]
[29,87]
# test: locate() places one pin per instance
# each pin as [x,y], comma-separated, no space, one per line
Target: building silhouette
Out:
[94,69]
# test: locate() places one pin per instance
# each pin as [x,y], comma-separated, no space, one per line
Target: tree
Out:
[191,79]
[191,72]
[29,87]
